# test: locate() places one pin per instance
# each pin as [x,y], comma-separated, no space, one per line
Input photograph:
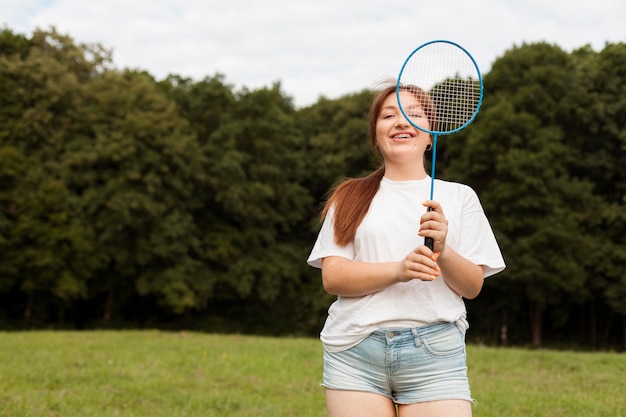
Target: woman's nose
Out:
[401,121]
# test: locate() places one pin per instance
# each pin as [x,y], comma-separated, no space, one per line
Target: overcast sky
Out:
[313,47]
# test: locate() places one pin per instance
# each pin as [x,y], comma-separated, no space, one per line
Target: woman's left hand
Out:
[434,224]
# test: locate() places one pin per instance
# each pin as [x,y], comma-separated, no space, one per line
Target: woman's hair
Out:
[352,197]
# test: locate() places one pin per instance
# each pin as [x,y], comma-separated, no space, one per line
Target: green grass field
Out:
[161,374]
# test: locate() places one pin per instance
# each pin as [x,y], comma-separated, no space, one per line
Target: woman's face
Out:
[395,136]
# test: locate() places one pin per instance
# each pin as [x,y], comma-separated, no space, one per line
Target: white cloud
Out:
[314,47]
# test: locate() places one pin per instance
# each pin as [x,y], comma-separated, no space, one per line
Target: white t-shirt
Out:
[388,233]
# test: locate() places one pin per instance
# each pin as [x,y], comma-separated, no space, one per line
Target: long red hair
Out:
[352,197]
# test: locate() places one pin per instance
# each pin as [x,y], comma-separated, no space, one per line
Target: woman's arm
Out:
[462,276]
[341,276]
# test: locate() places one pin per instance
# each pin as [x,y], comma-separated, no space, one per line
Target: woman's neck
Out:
[405,172]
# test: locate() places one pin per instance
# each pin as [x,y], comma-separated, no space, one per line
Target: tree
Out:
[204,104]
[602,138]
[134,163]
[47,247]
[336,132]
[255,168]
[518,158]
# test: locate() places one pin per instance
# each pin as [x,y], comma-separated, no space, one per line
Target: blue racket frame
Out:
[436,133]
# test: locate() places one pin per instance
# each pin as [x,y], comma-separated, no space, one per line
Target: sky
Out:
[314,48]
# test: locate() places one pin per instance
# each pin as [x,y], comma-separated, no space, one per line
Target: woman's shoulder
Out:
[458,194]
[453,186]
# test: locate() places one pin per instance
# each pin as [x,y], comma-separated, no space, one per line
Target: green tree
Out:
[602,137]
[519,159]
[336,146]
[135,163]
[336,133]
[12,167]
[204,104]
[256,165]
[47,246]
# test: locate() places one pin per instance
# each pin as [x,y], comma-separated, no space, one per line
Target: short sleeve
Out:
[326,246]
[477,241]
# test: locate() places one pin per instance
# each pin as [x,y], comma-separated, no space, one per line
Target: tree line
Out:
[127,201]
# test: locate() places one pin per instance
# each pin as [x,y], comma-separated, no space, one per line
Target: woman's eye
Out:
[416,115]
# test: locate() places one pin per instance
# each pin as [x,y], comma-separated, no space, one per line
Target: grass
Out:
[538,383]
[159,374]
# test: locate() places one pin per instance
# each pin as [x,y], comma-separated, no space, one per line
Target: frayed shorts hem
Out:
[444,398]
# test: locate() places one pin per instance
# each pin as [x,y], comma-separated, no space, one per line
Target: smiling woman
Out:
[393,129]
[400,303]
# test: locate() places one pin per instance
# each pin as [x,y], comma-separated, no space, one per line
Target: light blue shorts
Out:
[406,365]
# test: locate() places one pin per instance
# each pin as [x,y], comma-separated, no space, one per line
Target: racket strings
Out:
[452,80]
[455,102]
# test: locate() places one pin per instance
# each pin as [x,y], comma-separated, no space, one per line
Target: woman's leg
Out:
[358,404]
[448,408]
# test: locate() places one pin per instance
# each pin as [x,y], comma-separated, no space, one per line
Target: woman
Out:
[394,340]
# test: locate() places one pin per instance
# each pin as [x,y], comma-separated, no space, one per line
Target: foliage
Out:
[131,202]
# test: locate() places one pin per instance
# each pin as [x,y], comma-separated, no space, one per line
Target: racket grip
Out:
[428,241]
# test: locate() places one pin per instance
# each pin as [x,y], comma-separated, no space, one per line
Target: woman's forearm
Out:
[462,276]
[344,277]
[341,276]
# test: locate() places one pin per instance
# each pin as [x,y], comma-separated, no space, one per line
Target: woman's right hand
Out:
[420,264]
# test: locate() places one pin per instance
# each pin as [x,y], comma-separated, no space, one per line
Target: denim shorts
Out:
[406,365]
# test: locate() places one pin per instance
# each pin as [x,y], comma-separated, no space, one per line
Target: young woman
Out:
[394,340]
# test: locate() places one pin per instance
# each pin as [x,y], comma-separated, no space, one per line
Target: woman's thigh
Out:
[358,404]
[448,408]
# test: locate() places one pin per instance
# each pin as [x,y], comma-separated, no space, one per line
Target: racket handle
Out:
[428,241]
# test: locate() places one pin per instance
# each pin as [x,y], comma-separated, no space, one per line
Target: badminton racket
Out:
[450,76]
